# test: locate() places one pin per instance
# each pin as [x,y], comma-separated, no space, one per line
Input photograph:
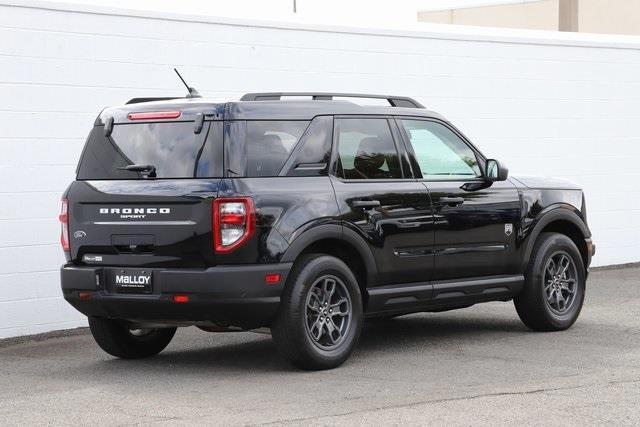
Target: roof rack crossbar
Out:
[394,101]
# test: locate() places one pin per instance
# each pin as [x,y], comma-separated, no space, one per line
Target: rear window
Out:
[260,148]
[172,148]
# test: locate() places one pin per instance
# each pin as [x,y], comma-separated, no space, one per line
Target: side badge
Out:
[508,229]
[79,234]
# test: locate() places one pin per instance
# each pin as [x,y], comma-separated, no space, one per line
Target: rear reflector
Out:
[180,299]
[64,225]
[155,115]
[272,278]
[84,295]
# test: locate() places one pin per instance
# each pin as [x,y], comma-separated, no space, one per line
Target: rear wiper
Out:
[148,170]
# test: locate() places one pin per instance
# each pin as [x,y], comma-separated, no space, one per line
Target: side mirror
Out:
[495,171]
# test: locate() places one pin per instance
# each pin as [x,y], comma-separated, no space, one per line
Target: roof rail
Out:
[139,100]
[394,101]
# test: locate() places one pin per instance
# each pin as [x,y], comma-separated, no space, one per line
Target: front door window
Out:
[440,153]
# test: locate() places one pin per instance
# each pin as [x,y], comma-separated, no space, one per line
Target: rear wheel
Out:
[555,284]
[320,316]
[126,342]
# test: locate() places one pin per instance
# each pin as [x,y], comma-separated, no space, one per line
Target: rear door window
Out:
[259,148]
[366,149]
[172,148]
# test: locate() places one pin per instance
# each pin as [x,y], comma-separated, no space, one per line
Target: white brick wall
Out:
[545,103]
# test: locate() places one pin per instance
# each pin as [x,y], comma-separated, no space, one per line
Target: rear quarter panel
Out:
[286,207]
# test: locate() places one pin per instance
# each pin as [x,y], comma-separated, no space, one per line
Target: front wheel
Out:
[320,316]
[555,284]
[126,342]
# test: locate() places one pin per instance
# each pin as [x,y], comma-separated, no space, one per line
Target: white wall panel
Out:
[555,104]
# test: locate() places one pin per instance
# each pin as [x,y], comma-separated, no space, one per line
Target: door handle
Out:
[365,204]
[452,201]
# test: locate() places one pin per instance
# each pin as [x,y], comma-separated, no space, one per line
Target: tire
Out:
[116,338]
[301,310]
[540,306]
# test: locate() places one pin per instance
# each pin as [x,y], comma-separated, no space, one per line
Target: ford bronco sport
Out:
[306,217]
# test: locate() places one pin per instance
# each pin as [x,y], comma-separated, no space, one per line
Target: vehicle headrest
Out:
[369,157]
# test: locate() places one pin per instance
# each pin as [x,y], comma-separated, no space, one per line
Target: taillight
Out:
[234,222]
[64,223]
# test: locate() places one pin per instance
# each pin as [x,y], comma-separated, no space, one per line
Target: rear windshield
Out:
[174,149]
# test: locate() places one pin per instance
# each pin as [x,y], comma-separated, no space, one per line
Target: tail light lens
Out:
[234,222]
[64,223]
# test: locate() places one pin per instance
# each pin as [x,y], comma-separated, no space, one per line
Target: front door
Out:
[475,220]
[379,199]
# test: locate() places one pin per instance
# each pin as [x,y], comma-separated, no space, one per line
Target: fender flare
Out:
[546,217]
[333,231]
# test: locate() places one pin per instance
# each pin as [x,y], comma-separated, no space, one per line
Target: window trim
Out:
[480,158]
[335,149]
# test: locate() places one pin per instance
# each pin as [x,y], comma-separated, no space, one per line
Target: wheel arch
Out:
[563,220]
[342,243]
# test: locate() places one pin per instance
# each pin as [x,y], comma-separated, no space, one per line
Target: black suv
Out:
[306,217]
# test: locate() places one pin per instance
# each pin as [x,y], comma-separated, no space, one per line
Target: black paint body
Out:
[413,252]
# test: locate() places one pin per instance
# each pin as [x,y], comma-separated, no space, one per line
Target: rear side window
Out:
[366,150]
[172,148]
[259,148]
[312,154]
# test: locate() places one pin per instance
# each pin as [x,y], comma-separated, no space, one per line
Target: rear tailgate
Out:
[163,223]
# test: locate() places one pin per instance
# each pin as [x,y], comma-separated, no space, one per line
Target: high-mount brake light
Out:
[234,222]
[64,223]
[154,115]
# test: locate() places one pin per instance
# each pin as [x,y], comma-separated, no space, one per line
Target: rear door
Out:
[139,217]
[475,221]
[379,199]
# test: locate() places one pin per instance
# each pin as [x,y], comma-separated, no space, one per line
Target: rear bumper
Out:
[231,295]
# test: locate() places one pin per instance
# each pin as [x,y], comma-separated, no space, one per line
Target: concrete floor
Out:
[474,366]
